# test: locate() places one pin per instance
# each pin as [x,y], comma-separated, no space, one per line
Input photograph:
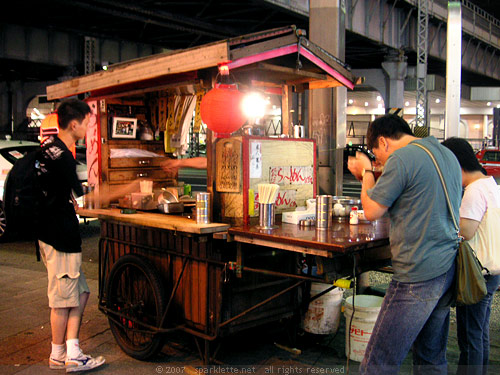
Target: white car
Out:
[10,152]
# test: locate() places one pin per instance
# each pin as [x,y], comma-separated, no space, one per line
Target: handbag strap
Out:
[444,186]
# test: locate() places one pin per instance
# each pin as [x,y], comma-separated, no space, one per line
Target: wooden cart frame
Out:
[156,276]
[154,281]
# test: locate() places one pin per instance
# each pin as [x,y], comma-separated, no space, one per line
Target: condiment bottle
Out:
[353,219]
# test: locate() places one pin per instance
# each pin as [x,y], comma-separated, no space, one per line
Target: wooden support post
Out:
[286,106]
[239,260]
[104,156]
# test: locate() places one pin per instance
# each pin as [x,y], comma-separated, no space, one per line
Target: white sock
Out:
[58,351]
[73,348]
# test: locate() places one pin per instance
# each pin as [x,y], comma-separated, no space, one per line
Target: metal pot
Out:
[342,206]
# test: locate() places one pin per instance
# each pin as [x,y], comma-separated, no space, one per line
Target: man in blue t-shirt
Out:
[415,311]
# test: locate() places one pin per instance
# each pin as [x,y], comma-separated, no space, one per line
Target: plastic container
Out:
[354,216]
[323,315]
[365,314]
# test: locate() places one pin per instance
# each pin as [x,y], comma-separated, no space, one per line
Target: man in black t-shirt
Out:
[59,239]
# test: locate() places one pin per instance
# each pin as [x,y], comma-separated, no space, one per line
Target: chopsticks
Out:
[268,193]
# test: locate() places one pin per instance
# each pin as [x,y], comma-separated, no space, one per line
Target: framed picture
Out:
[124,127]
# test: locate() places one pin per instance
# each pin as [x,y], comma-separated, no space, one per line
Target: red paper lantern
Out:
[221,110]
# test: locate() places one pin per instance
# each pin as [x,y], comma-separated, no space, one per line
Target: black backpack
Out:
[22,197]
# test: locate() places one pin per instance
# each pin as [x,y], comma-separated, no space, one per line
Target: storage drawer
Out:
[135,162]
[133,174]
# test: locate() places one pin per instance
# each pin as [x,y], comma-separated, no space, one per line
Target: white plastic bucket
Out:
[365,314]
[323,315]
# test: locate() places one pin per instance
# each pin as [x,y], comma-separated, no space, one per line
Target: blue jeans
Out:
[415,314]
[473,332]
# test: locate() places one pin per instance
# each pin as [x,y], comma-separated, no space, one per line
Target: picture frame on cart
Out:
[124,127]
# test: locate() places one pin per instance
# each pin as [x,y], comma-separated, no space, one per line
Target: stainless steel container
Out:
[171,207]
[266,216]
[203,208]
[87,202]
[323,211]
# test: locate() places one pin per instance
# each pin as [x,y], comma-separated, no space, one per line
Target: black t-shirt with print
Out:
[58,224]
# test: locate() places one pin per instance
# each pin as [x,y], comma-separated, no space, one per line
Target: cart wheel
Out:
[134,289]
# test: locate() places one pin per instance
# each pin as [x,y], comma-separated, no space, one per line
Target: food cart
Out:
[162,273]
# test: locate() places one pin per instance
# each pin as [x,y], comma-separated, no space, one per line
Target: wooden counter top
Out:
[340,238]
[154,220]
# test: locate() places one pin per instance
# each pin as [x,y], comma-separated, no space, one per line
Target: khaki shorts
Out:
[66,279]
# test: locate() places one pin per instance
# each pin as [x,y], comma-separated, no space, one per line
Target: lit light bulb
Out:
[366,104]
[254,105]
[407,104]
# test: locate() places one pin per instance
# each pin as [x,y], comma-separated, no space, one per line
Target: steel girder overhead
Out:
[394,24]
[373,27]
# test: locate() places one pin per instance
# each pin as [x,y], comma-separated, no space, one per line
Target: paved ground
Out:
[25,331]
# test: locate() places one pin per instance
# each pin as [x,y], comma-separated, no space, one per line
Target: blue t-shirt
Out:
[422,236]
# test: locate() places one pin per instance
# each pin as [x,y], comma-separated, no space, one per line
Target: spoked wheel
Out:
[3,222]
[135,292]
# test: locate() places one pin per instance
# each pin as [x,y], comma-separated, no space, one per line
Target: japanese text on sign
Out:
[290,175]
[285,199]
[229,168]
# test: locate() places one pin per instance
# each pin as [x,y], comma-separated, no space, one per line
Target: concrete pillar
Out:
[395,68]
[485,126]
[327,118]
[453,69]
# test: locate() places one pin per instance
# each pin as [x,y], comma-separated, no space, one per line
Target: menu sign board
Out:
[228,165]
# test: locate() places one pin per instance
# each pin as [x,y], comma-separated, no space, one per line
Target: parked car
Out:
[490,160]
[10,152]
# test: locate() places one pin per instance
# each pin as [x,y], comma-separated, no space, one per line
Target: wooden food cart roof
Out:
[284,55]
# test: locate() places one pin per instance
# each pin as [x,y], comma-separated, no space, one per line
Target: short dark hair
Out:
[71,109]
[464,153]
[390,126]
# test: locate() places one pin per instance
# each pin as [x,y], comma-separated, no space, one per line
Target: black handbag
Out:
[470,285]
